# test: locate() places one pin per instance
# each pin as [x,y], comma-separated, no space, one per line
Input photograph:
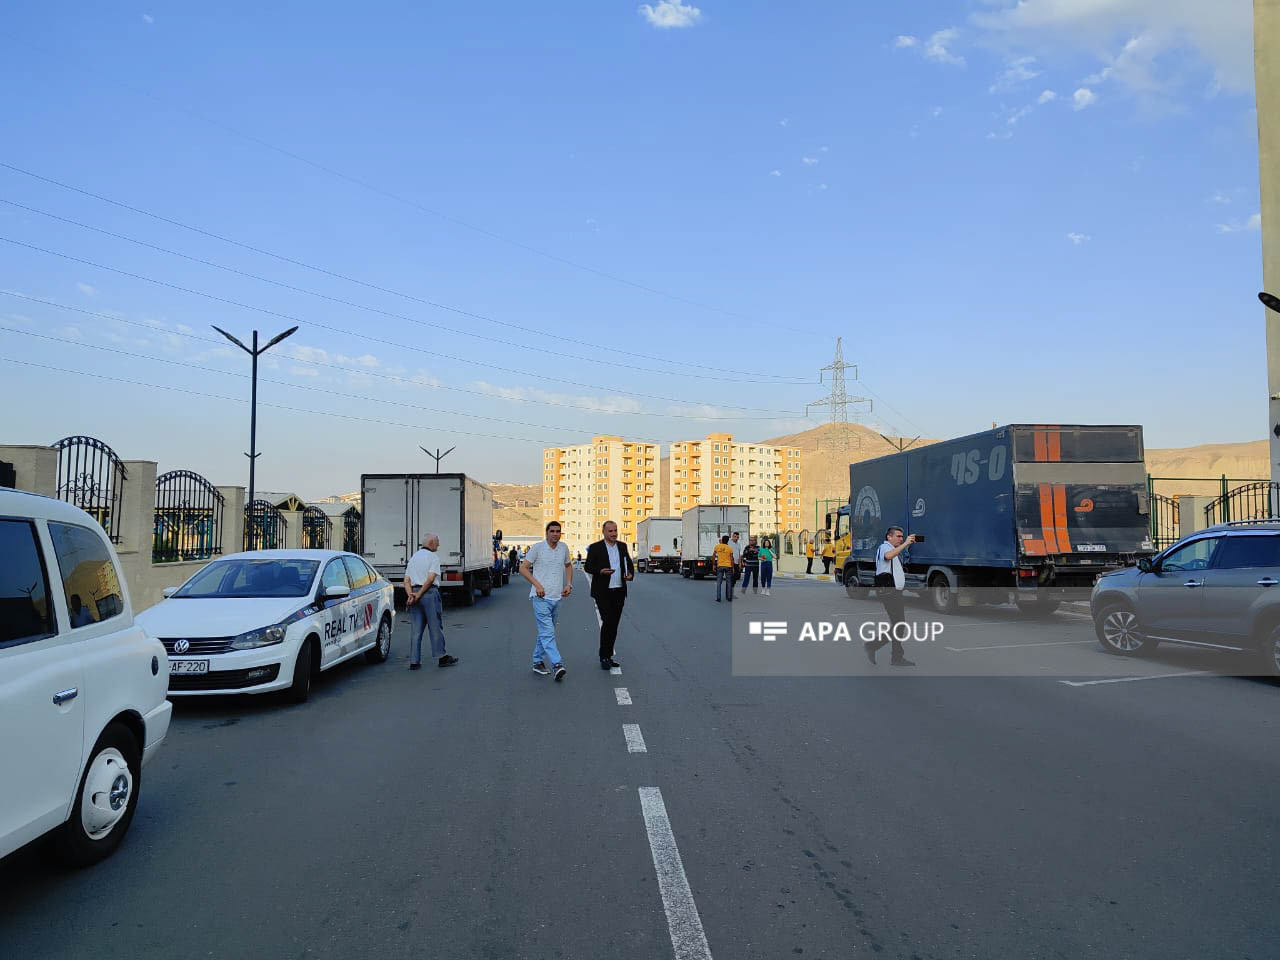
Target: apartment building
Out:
[607,479]
[720,470]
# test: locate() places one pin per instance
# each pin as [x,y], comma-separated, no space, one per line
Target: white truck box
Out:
[702,528]
[658,544]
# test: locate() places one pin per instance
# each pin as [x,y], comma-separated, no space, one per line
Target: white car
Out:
[271,620]
[82,687]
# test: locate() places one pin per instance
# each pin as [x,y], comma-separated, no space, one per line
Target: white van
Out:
[82,688]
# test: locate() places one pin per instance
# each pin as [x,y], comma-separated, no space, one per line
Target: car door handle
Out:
[1193,583]
[65,696]
[1267,582]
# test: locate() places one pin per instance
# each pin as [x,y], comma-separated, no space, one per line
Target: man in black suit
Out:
[609,567]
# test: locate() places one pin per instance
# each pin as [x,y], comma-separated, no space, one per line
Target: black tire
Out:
[468,592]
[1120,632]
[98,824]
[486,585]
[1269,653]
[1038,608]
[852,587]
[382,648]
[300,689]
[941,597]
[686,572]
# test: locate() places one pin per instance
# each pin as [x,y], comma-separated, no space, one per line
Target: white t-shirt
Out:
[615,578]
[547,566]
[893,566]
[736,545]
[421,565]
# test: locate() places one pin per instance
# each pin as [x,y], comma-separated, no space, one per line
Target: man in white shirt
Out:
[890,579]
[549,569]
[610,568]
[422,595]
[736,547]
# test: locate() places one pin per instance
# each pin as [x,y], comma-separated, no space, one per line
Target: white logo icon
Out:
[919,508]
[767,630]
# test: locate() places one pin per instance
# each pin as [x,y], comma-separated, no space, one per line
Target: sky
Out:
[501,226]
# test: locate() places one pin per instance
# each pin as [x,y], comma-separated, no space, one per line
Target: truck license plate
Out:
[188,666]
[1091,547]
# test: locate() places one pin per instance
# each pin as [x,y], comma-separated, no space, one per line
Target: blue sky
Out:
[1045,212]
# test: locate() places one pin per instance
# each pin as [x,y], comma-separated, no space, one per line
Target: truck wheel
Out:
[1038,608]
[105,802]
[1120,631]
[468,590]
[852,587]
[486,585]
[686,572]
[941,596]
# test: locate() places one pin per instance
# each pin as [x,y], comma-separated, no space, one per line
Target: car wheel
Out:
[1269,653]
[106,800]
[941,596]
[1120,632]
[382,649]
[300,689]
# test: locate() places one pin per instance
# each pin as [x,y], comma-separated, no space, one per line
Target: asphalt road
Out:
[483,811]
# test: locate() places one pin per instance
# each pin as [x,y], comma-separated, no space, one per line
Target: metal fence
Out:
[315,529]
[352,540]
[1256,500]
[91,476]
[264,526]
[1165,520]
[188,520]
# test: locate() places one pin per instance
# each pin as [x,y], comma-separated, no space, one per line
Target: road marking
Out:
[1158,676]
[615,671]
[1011,646]
[688,940]
[623,695]
[635,741]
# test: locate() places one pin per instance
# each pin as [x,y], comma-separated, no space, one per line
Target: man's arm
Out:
[568,578]
[898,549]
[409,596]
[431,579]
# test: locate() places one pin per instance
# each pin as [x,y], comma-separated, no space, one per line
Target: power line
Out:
[406,381]
[385,313]
[350,333]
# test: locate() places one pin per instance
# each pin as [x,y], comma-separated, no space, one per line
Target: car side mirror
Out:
[336,592]
[1145,564]
[168,592]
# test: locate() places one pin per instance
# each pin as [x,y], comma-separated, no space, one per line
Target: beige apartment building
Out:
[607,479]
[720,470]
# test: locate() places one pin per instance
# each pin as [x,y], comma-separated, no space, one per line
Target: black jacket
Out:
[598,559]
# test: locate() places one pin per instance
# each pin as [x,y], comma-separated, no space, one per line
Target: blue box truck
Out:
[1023,513]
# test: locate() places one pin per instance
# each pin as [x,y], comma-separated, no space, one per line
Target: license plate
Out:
[188,666]
[1091,547]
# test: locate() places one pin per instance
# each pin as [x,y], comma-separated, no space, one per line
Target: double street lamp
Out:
[253,410]
[777,514]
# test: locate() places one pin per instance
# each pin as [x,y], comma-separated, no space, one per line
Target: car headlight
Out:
[262,637]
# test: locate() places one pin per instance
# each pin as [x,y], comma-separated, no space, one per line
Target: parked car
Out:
[1217,588]
[270,620]
[82,686]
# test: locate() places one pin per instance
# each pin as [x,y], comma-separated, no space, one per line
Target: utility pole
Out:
[839,399]
[1266,73]
[777,513]
[437,456]
[253,418]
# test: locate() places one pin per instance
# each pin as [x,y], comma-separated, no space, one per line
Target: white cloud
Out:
[1082,98]
[1078,238]
[825,149]
[822,186]
[670,14]
[1017,72]
[183,328]
[775,173]
[148,18]
[304,371]
[936,111]
[424,379]
[784,122]
[87,290]
[936,47]
[1235,226]
[21,319]
[1219,197]
[1006,135]
[808,161]
[903,41]
[312,354]
[1047,97]
[593,404]
[1254,222]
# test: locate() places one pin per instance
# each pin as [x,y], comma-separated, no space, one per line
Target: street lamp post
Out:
[253,410]
[437,456]
[777,513]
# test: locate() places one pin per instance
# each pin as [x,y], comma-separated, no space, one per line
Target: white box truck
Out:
[398,509]
[702,527]
[658,544]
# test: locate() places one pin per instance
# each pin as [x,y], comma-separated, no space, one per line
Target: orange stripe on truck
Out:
[1047,519]
[1041,447]
[1060,517]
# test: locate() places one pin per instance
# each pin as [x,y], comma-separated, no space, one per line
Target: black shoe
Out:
[559,672]
[448,661]
[904,662]
[871,653]
[415,666]
[540,668]
[606,664]
[717,599]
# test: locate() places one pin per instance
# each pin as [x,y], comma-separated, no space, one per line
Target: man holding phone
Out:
[890,581]
[609,567]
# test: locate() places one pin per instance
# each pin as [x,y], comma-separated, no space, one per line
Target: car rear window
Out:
[358,572]
[25,614]
[1249,551]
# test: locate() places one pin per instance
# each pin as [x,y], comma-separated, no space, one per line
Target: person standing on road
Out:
[514,559]
[549,569]
[609,566]
[828,556]
[422,596]
[737,556]
[724,568]
[751,566]
[766,566]
[890,580]
[808,552]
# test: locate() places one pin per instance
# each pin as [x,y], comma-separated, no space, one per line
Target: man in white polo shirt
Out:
[890,579]
[422,594]
[549,569]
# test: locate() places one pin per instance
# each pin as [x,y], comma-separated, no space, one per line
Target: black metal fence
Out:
[1252,501]
[315,529]
[91,476]
[188,524]
[1165,516]
[352,541]
[264,526]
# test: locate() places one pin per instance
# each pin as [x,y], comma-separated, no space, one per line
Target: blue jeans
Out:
[546,611]
[427,613]
[766,574]
[724,575]
[750,571]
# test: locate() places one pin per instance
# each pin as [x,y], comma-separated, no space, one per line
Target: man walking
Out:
[724,568]
[890,579]
[808,552]
[609,567]
[828,555]
[737,556]
[549,569]
[422,595]
[751,566]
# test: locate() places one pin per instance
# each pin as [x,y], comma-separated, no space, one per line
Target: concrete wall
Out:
[1266,67]
[36,467]
[1191,514]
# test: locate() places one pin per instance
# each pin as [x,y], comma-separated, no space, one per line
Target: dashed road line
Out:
[688,940]
[623,695]
[615,671]
[635,740]
[1013,646]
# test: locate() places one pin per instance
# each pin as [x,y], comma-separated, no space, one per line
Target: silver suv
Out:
[1218,588]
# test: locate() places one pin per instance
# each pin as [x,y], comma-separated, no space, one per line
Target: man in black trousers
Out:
[609,567]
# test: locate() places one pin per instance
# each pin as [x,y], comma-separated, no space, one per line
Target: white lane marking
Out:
[688,940]
[615,671]
[635,741]
[1158,676]
[623,695]
[1011,646]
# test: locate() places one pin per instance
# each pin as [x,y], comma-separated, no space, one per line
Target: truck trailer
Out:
[701,529]
[398,509]
[658,544]
[1024,513]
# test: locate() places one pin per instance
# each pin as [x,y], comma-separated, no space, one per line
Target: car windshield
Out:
[251,578]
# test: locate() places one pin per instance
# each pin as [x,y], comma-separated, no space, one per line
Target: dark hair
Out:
[725,538]
[606,523]
[553,523]
[890,530]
